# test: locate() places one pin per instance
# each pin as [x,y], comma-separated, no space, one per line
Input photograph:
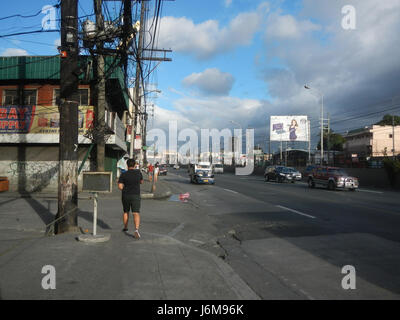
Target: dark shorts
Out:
[131,202]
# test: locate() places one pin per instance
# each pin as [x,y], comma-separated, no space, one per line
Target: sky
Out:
[247,60]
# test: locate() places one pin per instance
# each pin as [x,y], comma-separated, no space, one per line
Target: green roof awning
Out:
[48,68]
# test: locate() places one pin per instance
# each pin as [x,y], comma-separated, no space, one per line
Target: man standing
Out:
[129,182]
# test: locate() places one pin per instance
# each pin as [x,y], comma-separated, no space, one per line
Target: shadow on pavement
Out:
[338,246]
[8,201]
[44,213]
[88,216]
[47,216]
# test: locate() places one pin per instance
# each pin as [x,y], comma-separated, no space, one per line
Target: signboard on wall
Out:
[138,142]
[289,128]
[40,119]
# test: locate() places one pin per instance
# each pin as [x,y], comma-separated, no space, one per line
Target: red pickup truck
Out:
[332,178]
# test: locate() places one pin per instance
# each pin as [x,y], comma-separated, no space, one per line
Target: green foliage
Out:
[392,167]
[387,120]
[336,141]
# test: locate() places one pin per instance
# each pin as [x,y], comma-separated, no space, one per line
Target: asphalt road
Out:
[287,241]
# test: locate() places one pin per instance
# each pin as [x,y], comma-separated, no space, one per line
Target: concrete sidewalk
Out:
[162,191]
[155,267]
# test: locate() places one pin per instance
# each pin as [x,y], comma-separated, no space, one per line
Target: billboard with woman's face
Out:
[289,128]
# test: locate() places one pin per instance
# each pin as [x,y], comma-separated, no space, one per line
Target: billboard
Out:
[40,119]
[289,128]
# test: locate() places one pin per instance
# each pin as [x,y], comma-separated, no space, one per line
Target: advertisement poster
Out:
[288,128]
[40,119]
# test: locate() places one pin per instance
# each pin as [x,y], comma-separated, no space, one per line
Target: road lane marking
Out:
[176,230]
[197,241]
[230,190]
[295,211]
[365,190]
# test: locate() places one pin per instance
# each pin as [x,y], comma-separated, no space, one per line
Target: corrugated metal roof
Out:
[48,68]
[42,67]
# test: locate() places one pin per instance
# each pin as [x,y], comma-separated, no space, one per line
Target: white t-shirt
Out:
[122,164]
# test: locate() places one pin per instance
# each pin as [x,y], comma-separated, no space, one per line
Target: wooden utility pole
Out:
[100,91]
[67,218]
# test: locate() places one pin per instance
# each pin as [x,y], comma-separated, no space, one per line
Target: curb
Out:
[80,196]
[156,196]
[242,290]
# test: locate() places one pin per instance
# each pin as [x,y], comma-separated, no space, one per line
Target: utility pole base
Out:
[90,238]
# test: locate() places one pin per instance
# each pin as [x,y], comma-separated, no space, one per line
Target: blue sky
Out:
[245,60]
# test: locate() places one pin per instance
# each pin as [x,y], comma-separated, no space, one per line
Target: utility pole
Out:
[100,91]
[394,155]
[145,118]
[127,27]
[138,78]
[269,150]
[67,218]
[322,130]
[286,155]
[328,145]
[309,142]
[322,122]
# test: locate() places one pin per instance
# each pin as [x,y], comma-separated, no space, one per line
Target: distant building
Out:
[372,141]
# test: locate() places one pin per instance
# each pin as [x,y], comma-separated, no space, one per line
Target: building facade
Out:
[29,121]
[373,141]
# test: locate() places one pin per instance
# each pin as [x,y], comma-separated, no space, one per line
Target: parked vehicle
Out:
[308,170]
[279,174]
[163,170]
[332,178]
[218,168]
[201,173]
[296,175]
[176,166]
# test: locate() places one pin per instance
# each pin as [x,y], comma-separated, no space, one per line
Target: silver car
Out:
[296,175]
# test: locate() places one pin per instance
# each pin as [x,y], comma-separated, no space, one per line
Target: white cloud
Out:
[162,117]
[287,27]
[210,81]
[207,39]
[57,42]
[12,52]
[355,69]
[217,112]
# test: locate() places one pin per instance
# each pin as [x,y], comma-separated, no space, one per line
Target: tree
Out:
[336,141]
[387,120]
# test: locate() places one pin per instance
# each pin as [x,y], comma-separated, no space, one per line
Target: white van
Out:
[218,168]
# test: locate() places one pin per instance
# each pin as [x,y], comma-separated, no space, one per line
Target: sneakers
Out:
[136,234]
[124,229]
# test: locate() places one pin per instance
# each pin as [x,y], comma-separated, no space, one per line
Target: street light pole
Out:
[233,140]
[322,122]
[322,129]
